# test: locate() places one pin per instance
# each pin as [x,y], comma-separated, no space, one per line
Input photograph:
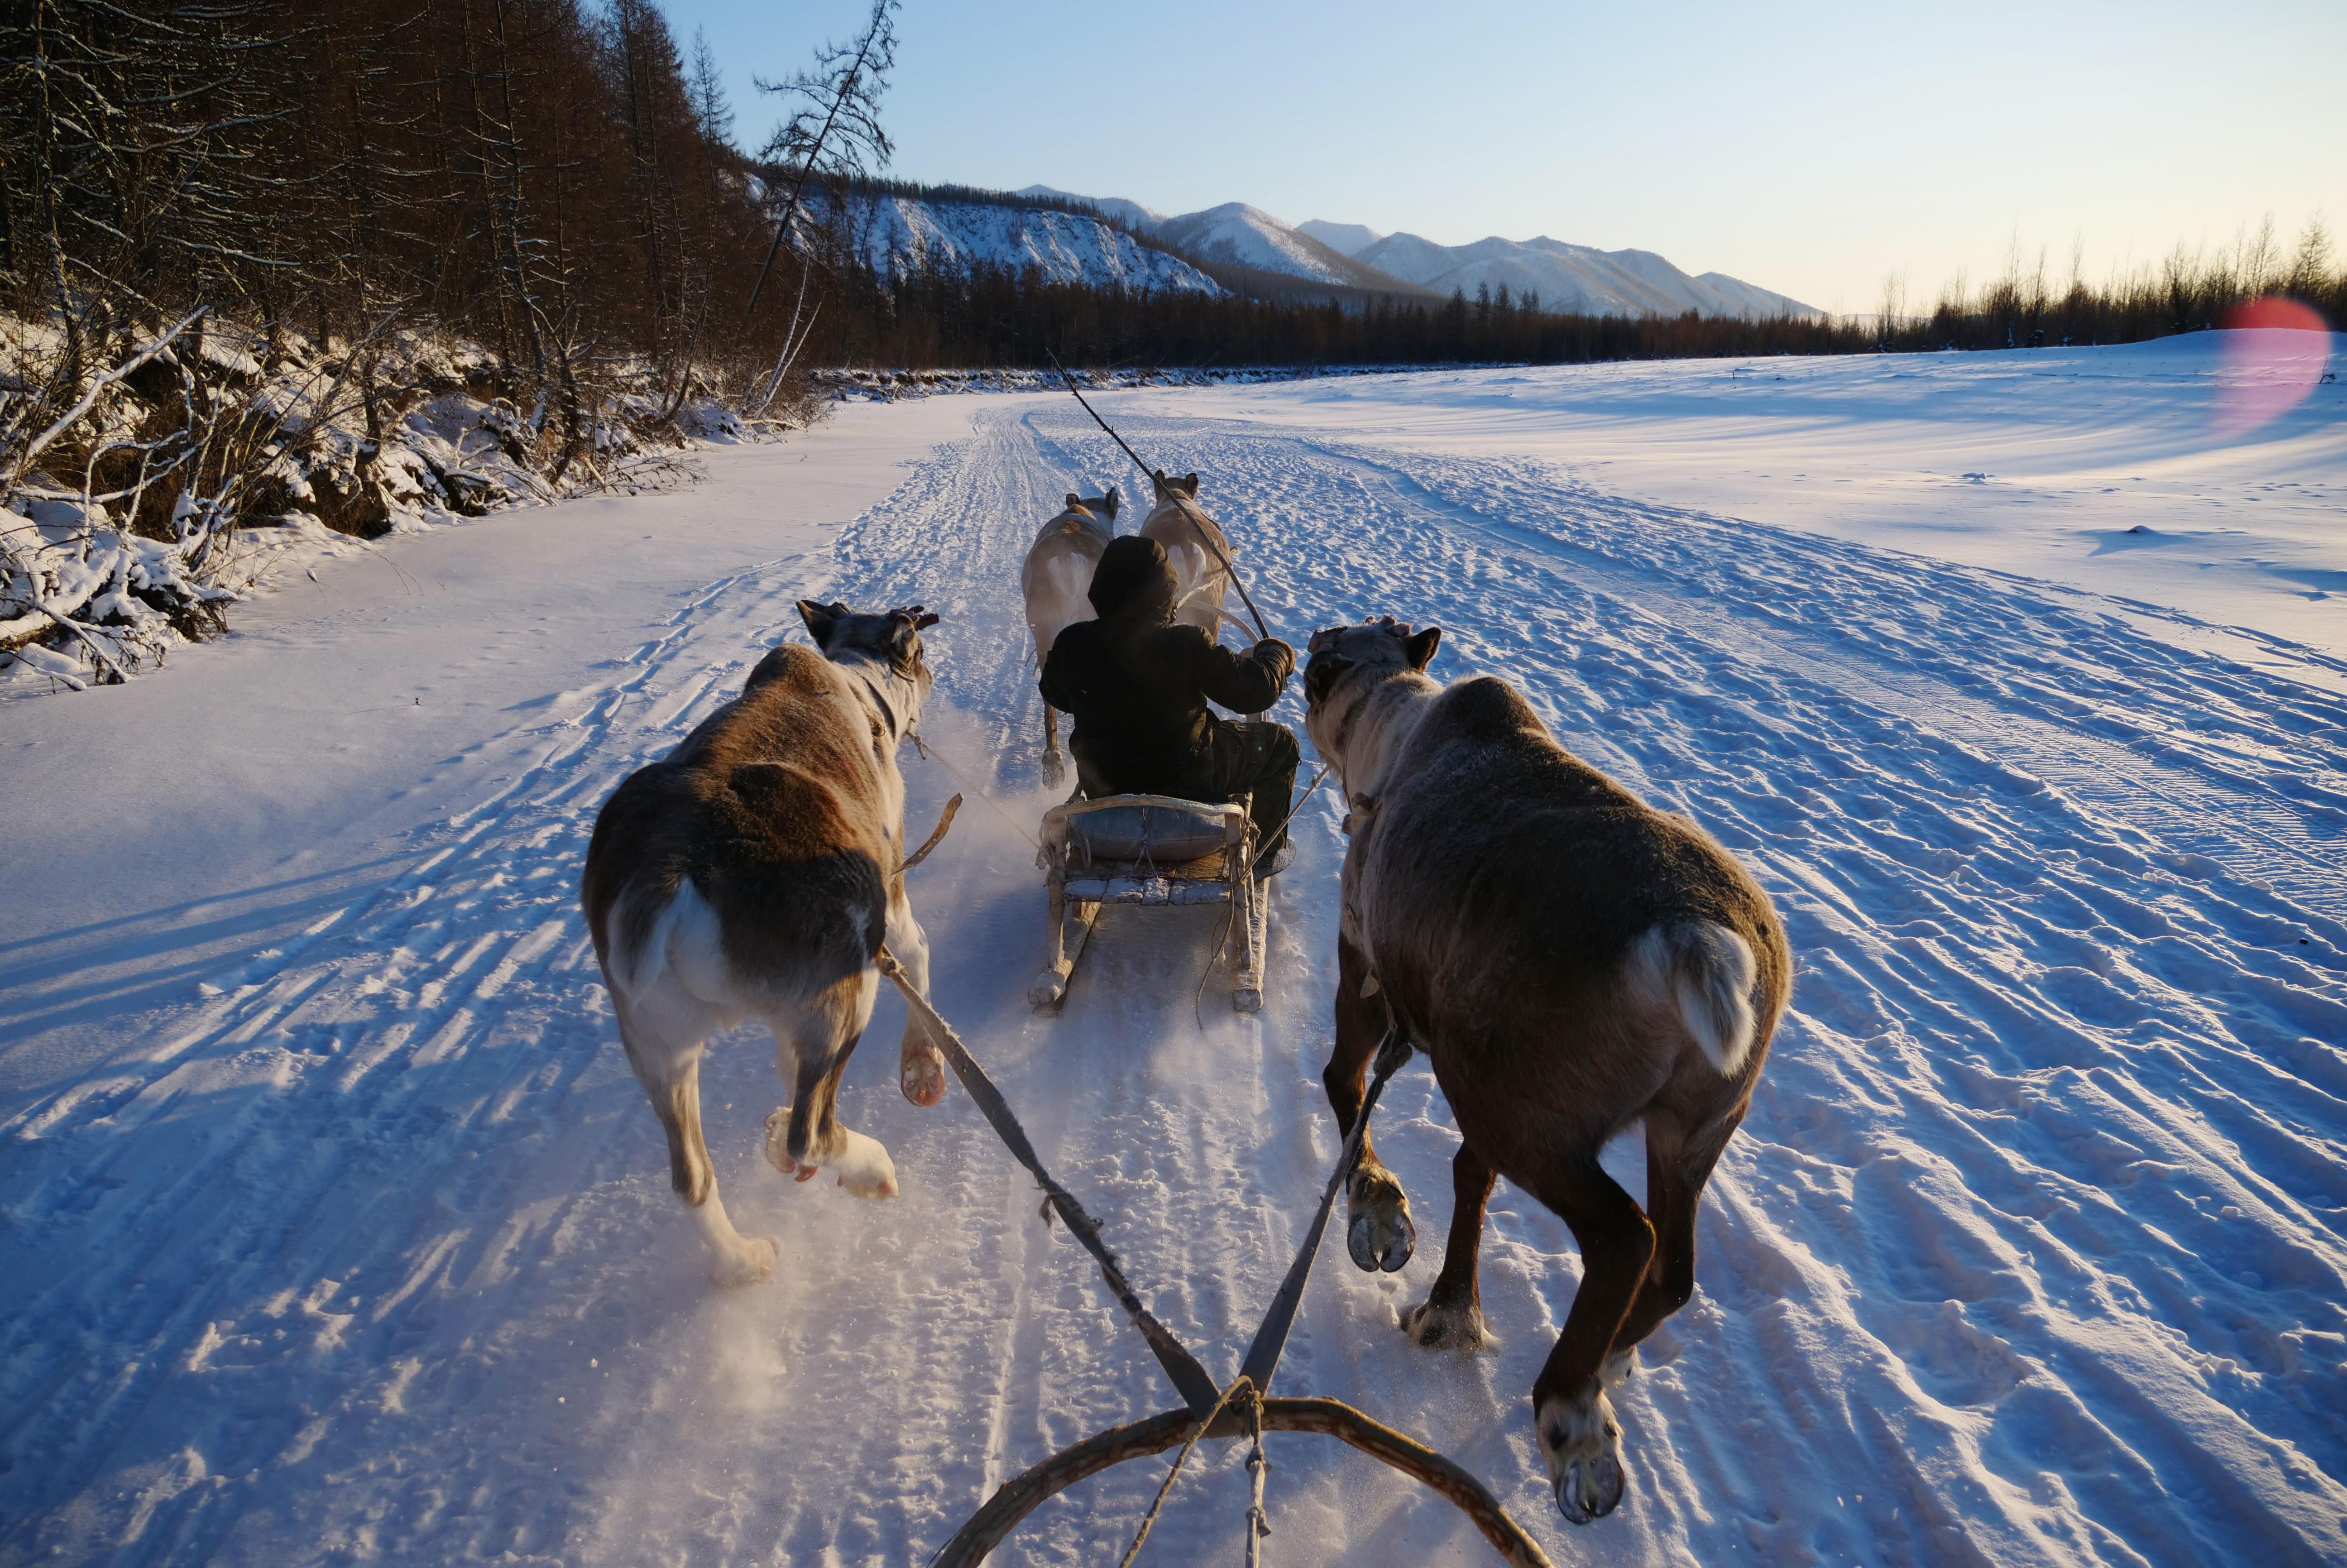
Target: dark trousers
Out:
[1248,754]
[1239,756]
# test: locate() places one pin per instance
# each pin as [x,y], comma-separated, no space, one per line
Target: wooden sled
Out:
[1147,849]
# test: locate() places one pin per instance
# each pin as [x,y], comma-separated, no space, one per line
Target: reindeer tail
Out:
[1704,971]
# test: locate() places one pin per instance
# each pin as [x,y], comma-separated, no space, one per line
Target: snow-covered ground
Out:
[335,1228]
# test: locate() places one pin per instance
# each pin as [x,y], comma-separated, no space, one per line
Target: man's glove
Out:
[1278,654]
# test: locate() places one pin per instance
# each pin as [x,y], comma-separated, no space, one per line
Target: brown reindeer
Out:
[1575,962]
[1178,522]
[1054,581]
[754,873]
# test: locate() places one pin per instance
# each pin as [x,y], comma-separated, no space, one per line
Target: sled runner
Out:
[1147,849]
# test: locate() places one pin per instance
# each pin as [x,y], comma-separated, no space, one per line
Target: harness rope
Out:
[1181,504]
[929,749]
[1205,1405]
[1188,1378]
[1239,1389]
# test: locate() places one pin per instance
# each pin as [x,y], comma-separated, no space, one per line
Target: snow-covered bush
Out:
[140,500]
[102,599]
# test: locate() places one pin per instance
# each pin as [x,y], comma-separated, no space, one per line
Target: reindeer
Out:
[754,873]
[1573,962]
[1178,522]
[1057,575]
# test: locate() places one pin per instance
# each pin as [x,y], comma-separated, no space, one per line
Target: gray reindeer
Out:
[1575,962]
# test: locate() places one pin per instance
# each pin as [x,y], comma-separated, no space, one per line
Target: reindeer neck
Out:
[892,700]
[1381,728]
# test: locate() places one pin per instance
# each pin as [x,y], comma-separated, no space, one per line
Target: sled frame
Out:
[1078,889]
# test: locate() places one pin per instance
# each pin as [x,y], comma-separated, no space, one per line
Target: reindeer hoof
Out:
[1378,1233]
[1582,1444]
[864,1168]
[922,1076]
[1437,1326]
[1590,1490]
[1381,1242]
[778,1128]
[752,1263]
[1055,772]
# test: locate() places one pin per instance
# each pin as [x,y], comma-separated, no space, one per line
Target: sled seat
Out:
[1148,849]
[1142,827]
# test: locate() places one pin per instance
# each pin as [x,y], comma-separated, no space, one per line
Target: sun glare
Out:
[2275,350]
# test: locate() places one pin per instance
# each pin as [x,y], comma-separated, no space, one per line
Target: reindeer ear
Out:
[1321,674]
[1324,639]
[1074,500]
[924,619]
[1422,647]
[820,618]
[1189,486]
[1110,500]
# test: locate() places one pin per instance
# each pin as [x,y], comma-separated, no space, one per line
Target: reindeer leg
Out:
[1378,1229]
[1675,1173]
[1571,1417]
[1054,769]
[804,1136]
[921,1067]
[663,1041]
[1452,1316]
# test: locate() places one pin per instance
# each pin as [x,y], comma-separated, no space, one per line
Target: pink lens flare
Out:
[2274,354]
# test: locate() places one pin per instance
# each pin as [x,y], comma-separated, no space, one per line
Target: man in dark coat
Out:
[1138,684]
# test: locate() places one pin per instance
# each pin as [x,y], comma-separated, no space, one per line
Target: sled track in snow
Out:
[2068,901]
[2032,1250]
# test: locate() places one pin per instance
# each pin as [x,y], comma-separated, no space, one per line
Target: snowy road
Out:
[335,1229]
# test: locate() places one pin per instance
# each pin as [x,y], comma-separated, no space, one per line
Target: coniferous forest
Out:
[358,261]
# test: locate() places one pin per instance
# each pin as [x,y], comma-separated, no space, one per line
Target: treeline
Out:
[996,316]
[2190,289]
[993,316]
[553,181]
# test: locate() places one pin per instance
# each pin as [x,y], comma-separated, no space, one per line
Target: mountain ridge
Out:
[1574,278]
[1139,246]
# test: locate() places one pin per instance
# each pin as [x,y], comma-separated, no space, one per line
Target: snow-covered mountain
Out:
[903,235]
[1235,231]
[1246,236]
[1578,278]
[1755,301]
[1352,239]
[1133,214]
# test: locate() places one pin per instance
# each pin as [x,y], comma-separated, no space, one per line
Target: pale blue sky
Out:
[1807,147]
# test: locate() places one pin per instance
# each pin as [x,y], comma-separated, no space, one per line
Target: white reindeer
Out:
[1055,581]
[1178,522]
